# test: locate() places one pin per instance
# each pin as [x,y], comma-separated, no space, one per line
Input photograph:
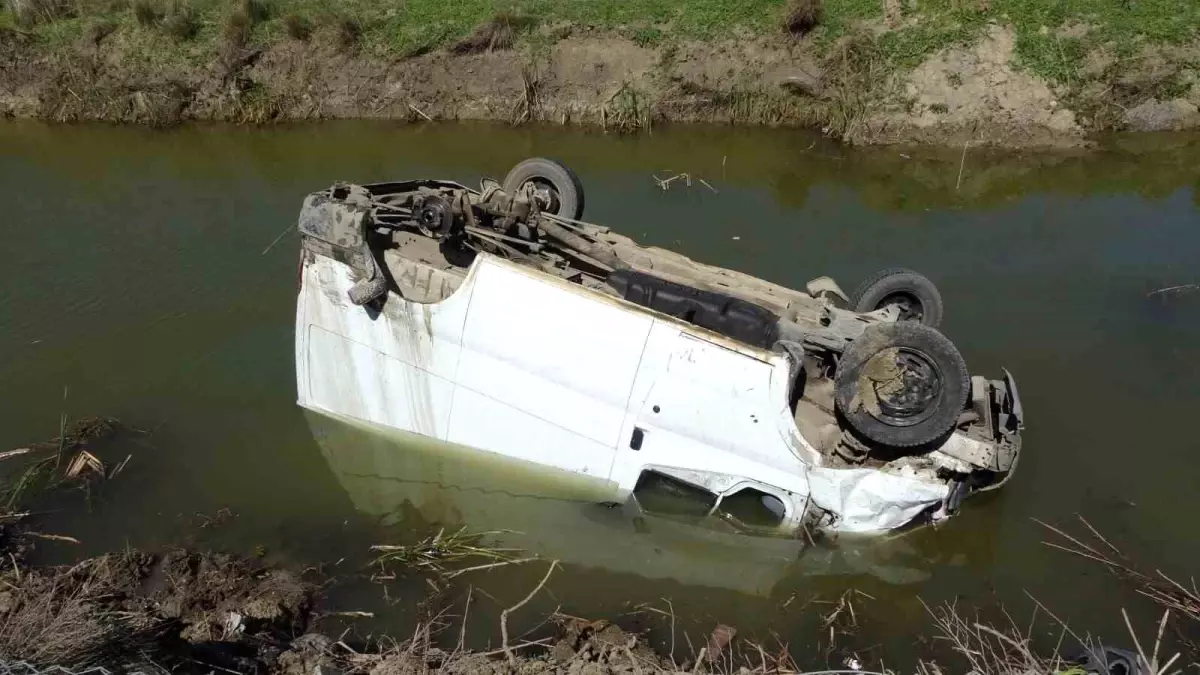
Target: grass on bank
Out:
[1053,36]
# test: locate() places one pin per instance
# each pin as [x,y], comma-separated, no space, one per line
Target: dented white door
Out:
[707,414]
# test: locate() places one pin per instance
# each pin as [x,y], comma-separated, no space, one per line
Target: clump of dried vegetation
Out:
[297,27]
[147,12]
[243,16]
[1005,648]
[65,616]
[1164,591]
[64,461]
[344,32]
[628,110]
[801,17]
[499,32]
[528,108]
[444,555]
[176,18]
[182,22]
[852,71]
[29,13]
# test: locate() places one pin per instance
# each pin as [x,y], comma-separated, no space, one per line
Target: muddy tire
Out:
[919,300]
[555,182]
[901,385]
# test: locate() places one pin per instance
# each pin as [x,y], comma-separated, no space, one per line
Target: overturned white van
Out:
[498,320]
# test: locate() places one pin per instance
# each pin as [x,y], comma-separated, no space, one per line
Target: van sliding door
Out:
[546,370]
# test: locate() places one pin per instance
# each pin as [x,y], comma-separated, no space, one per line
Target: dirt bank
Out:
[864,85]
[187,612]
[135,609]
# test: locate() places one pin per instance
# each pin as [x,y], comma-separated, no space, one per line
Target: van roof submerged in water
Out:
[498,320]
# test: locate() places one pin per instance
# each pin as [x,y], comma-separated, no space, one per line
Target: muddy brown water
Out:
[135,279]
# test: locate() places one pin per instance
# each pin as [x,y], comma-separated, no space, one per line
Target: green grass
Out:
[1121,26]
[406,27]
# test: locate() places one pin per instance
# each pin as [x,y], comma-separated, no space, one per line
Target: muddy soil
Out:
[970,93]
[135,609]
[195,612]
[581,648]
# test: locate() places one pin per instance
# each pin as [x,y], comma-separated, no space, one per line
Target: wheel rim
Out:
[909,305]
[904,386]
[544,193]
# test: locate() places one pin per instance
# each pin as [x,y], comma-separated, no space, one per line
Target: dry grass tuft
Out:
[529,107]
[241,20]
[629,110]
[31,12]
[257,10]
[852,71]
[237,28]
[59,617]
[988,651]
[182,22]
[802,16]
[297,27]
[1164,591]
[345,32]
[148,12]
[499,32]
[98,29]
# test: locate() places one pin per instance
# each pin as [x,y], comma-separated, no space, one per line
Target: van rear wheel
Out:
[556,188]
[911,292]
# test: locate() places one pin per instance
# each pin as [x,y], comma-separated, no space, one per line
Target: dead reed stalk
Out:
[802,16]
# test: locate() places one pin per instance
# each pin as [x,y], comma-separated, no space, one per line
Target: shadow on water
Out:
[558,516]
[135,275]
[411,486]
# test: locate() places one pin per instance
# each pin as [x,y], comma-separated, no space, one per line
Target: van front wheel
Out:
[901,384]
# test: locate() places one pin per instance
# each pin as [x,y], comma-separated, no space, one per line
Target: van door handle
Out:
[635,441]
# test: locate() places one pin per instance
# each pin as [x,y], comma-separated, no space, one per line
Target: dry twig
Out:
[504,615]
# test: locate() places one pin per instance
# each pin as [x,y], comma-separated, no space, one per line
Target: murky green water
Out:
[134,276]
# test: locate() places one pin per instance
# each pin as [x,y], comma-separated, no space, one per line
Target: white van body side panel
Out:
[394,368]
[531,367]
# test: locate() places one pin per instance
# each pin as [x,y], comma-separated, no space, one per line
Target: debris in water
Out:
[718,640]
[436,553]
[84,461]
[1174,289]
[54,537]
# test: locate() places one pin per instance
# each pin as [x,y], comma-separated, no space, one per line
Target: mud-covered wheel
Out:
[556,187]
[911,292]
[901,384]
